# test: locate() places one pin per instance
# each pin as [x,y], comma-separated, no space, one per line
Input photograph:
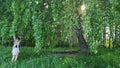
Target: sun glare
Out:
[83,7]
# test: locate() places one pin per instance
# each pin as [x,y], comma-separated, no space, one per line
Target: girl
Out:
[15,50]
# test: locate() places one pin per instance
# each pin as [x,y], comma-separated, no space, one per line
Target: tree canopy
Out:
[53,23]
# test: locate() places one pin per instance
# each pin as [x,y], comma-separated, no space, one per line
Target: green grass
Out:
[105,58]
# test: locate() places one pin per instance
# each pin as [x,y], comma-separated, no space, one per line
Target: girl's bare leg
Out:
[16,57]
[13,58]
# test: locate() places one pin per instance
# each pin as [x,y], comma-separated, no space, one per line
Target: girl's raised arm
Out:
[14,37]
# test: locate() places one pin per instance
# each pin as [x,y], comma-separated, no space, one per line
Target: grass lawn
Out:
[105,58]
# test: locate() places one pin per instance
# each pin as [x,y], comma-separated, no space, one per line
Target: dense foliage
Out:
[48,23]
[100,20]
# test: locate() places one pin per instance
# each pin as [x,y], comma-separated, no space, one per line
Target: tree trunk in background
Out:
[82,42]
[2,41]
[116,41]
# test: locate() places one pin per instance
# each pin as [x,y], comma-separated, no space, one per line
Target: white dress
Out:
[15,51]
